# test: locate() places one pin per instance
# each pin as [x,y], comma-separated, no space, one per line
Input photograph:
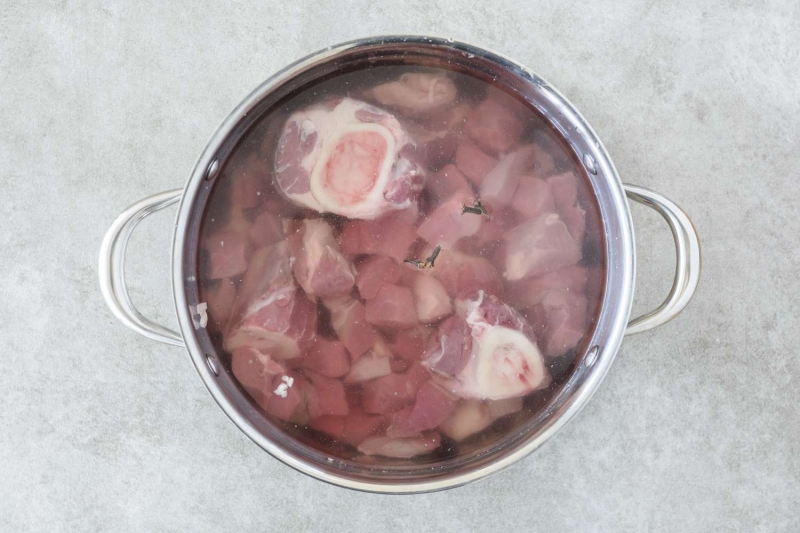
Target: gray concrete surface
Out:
[697,426]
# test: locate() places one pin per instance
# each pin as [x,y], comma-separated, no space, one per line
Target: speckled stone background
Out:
[695,429]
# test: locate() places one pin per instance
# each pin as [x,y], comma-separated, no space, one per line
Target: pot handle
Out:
[112,267]
[687,259]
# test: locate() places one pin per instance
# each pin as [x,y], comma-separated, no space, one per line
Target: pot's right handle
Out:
[687,255]
[112,268]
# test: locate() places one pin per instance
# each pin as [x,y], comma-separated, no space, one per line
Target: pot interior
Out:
[262,227]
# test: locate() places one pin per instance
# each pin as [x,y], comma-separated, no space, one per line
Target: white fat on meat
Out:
[346,160]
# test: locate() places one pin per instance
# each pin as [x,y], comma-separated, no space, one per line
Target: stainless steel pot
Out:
[613,322]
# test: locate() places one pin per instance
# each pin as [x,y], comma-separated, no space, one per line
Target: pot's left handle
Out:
[112,268]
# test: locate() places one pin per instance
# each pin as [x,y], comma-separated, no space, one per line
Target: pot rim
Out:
[615,309]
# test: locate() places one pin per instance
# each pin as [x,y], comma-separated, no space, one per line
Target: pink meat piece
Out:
[501,408]
[504,361]
[543,163]
[325,396]
[255,372]
[539,246]
[447,223]
[496,123]
[533,197]
[448,182]
[266,230]
[346,160]
[401,448]
[415,93]
[501,183]
[530,291]
[463,274]
[452,119]
[348,318]
[272,314]
[359,425]
[289,402]
[473,416]
[392,308]
[328,358]
[564,316]
[247,191]
[332,426]
[374,271]
[495,228]
[375,363]
[449,351]
[319,266]
[473,162]
[431,300]
[238,224]
[390,235]
[249,185]
[469,418]
[392,392]
[432,407]
[228,254]
[408,346]
[220,302]
[565,195]
[429,149]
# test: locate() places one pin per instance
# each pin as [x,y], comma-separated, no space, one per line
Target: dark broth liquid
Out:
[554,158]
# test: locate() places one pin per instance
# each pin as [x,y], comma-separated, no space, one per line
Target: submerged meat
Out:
[473,416]
[451,348]
[376,362]
[463,274]
[228,253]
[533,197]
[249,184]
[373,272]
[565,194]
[345,160]
[432,407]
[474,162]
[255,372]
[272,314]
[500,184]
[431,300]
[503,361]
[390,235]
[408,346]
[392,392]
[447,224]
[359,425]
[447,182]
[496,124]
[319,266]
[267,229]
[328,358]
[416,93]
[288,398]
[469,418]
[539,246]
[563,316]
[349,321]
[220,302]
[325,396]
[530,291]
[401,448]
[392,308]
